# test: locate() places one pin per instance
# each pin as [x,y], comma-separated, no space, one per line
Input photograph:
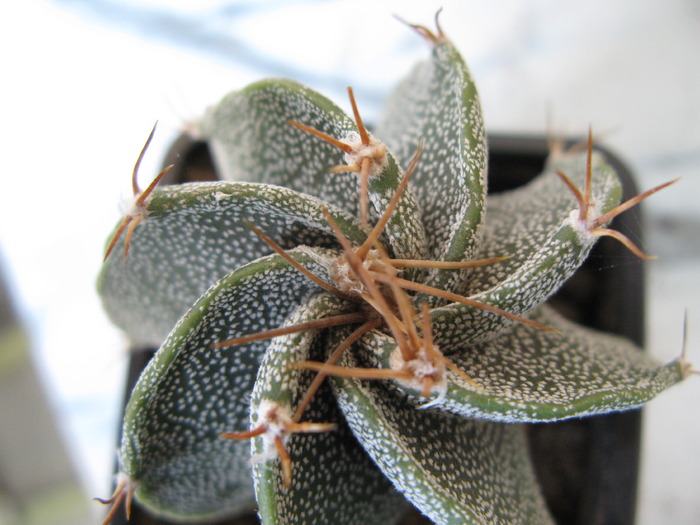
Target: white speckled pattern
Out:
[190,391]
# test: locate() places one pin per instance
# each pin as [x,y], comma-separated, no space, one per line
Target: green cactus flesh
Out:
[431,365]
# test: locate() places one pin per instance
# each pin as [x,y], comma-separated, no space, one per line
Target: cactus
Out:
[337,334]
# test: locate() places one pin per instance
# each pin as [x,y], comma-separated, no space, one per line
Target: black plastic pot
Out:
[587,467]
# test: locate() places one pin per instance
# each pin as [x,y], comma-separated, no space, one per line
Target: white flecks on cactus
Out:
[295,269]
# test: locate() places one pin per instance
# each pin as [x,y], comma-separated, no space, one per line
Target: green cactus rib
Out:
[197,278]
[543,250]
[191,392]
[353,487]
[523,221]
[438,104]
[194,235]
[251,128]
[456,470]
[545,376]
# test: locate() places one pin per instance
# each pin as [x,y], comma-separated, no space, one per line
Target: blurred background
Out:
[85,80]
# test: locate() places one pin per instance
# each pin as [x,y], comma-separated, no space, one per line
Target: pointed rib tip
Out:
[426,33]
[421,30]
[686,368]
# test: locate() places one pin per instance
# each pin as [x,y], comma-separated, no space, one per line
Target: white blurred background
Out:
[85,80]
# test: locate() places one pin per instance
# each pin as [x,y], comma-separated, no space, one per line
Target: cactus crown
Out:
[362,333]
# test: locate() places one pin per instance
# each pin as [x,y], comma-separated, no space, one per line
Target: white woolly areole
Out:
[130,208]
[421,367]
[275,418]
[220,195]
[345,279]
[583,228]
[375,151]
[123,480]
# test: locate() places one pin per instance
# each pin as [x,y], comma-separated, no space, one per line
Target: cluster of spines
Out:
[385,292]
